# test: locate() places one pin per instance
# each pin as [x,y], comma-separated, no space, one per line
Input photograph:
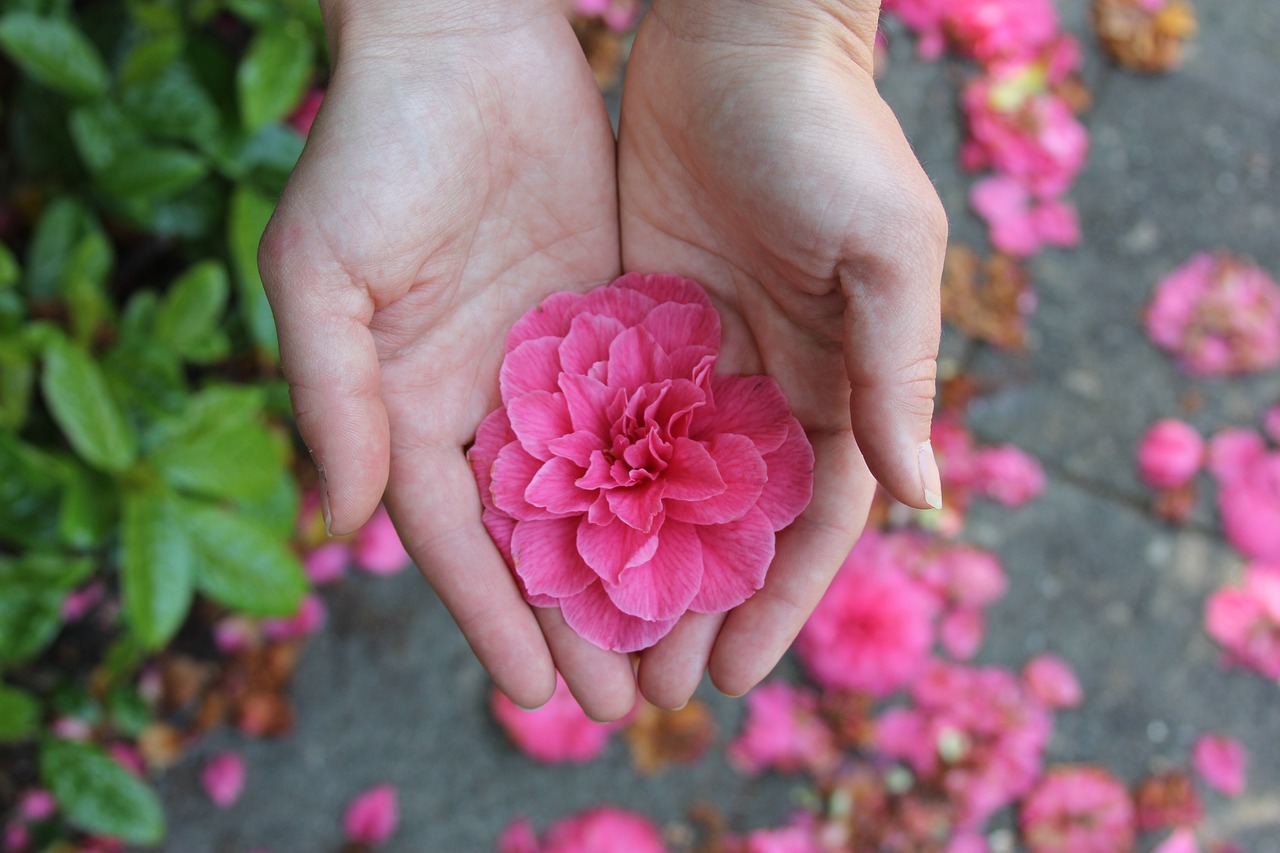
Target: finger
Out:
[671,670]
[892,326]
[330,360]
[757,633]
[601,680]
[433,499]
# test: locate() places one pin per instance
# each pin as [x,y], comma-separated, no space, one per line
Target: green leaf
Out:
[90,508]
[152,171]
[10,272]
[45,570]
[29,493]
[128,711]
[62,226]
[101,131]
[157,567]
[274,73]
[172,105]
[197,212]
[218,447]
[80,401]
[192,309]
[30,617]
[17,376]
[84,284]
[277,511]
[150,56]
[96,794]
[19,714]
[248,217]
[54,52]
[242,564]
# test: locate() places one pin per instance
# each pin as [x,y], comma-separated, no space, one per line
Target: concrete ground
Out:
[1179,163]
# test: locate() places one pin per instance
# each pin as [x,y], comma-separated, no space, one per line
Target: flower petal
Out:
[549,319]
[588,342]
[636,359]
[662,587]
[665,288]
[790,485]
[637,506]
[627,306]
[753,406]
[735,557]
[500,527]
[513,470]
[577,447]
[744,473]
[532,366]
[674,326]
[591,403]
[553,488]
[537,418]
[493,434]
[610,548]
[595,618]
[547,560]
[691,473]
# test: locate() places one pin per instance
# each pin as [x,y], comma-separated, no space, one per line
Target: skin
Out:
[462,168]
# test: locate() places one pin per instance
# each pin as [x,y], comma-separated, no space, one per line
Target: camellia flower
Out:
[378,549]
[1170,454]
[1221,761]
[597,830]
[989,30]
[871,632]
[1246,620]
[1008,475]
[924,18]
[784,731]
[622,479]
[1218,315]
[371,818]
[1181,840]
[1018,223]
[223,778]
[559,731]
[1078,810]
[1248,491]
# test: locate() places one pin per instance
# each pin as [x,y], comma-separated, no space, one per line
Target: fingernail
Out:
[324,503]
[930,479]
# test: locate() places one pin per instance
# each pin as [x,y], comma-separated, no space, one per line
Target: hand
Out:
[756,156]
[460,170]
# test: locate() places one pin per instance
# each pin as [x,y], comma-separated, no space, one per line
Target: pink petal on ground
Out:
[675,326]
[1182,840]
[662,587]
[378,549]
[1056,222]
[1221,761]
[610,548]
[636,359]
[223,778]
[1078,808]
[1008,474]
[735,558]
[591,404]
[550,318]
[371,818]
[518,837]
[744,473]
[558,732]
[553,488]
[598,620]
[784,731]
[537,418]
[1051,680]
[533,366]
[310,618]
[1169,454]
[961,631]
[327,563]
[789,488]
[546,557]
[1234,452]
[692,474]
[604,830]
[588,342]
[513,471]
[753,406]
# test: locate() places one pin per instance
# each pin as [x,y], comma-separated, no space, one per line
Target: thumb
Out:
[892,326]
[331,363]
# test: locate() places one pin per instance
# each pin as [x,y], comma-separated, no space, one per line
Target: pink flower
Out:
[1008,475]
[310,618]
[1051,680]
[304,115]
[558,732]
[871,632]
[371,818]
[796,838]
[989,30]
[518,837]
[78,603]
[924,18]
[784,731]
[128,757]
[1078,810]
[1246,620]
[1170,454]
[1181,840]
[622,479]
[1218,315]
[223,778]
[1018,223]
[378,549]
[961,631]
[1234,452]
[327,563]
[36,805]
[1221,761]
[235,634]
[618,15]
[72,728]
[17,837]
[1271,423]
[604,830]
[1248,492]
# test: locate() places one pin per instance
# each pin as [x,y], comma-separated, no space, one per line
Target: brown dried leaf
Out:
[987,300]
[183,679]
[658,738]
[161,745]
[1175,505]
[1143,40]
[604,50]
[1167,800]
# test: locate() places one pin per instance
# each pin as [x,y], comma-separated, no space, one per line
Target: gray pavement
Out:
[1180,163]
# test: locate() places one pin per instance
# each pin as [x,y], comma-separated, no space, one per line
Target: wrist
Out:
[382,24]
[849,24]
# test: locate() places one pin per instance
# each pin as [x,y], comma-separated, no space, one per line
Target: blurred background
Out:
[190,664]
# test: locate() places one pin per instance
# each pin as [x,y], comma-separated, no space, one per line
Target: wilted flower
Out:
[783,731]
[623,481]
[1246,620]
[1078,810]
[594,831]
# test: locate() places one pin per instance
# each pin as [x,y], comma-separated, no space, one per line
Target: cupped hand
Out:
[459,171]
[756,157]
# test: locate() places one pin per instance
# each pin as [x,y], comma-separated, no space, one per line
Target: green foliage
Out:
[141,434]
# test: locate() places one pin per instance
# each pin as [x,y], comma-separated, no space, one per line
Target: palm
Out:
[753,169]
